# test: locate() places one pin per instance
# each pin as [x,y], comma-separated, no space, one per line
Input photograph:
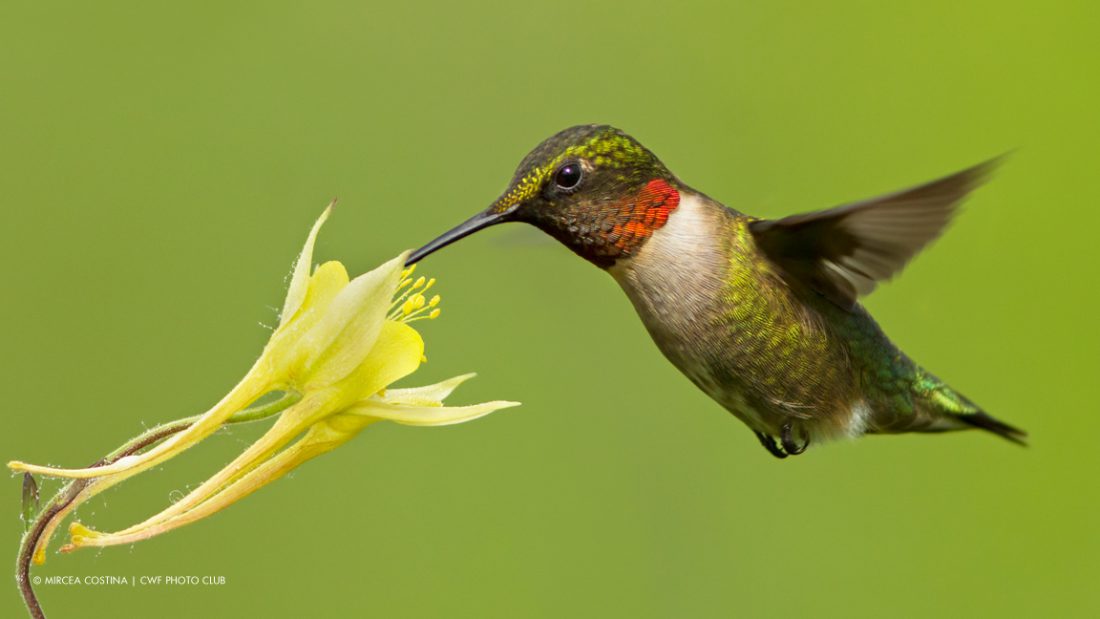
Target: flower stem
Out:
[38,535]
[293,421]
[319,439]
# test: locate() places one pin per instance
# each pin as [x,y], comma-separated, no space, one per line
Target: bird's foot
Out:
[769,443]
[786,436]
[786,445]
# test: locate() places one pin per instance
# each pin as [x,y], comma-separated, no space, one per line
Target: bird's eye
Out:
[568,176]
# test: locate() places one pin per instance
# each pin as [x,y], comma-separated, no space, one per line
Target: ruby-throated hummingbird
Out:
[760,314]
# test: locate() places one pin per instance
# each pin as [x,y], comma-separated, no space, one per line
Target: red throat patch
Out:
[638,217]
[603,232]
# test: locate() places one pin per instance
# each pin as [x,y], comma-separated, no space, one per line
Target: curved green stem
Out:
[39,532]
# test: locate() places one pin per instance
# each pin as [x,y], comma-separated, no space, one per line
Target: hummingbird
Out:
[763,315]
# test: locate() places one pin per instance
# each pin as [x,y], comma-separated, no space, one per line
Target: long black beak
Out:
[461,231]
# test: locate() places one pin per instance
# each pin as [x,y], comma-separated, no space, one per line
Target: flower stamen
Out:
[411,304]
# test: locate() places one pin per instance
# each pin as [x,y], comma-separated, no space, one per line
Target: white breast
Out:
[682,252]
[675,284]
[686,240]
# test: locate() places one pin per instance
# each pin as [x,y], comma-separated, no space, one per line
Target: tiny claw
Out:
[787,438]
[769,443]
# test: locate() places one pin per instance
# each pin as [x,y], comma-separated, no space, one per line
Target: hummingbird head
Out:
[592,187]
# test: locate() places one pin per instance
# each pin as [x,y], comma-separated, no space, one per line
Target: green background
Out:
[160,166]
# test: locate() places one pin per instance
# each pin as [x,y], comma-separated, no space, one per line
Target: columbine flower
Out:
[338,347]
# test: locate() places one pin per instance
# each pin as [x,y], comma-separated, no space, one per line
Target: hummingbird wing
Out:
[843,252]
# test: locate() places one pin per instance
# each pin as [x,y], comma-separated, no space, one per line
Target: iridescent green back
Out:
[783,352]
[802,354]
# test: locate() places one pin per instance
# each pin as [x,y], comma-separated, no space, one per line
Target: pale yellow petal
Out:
[321,438]
[299,280]
[396,354]
[254,385]
[428,395]
[348,330]
[291,422]
[427,415]
[285,354]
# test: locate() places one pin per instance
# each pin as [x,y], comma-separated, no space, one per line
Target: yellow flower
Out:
[340,343]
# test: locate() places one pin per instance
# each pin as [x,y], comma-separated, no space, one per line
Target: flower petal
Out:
[283,353]
[396,354]
[299,281]
[255,384]
[292,422]
[341,339]
[428,395]
[427,415]
[322,437]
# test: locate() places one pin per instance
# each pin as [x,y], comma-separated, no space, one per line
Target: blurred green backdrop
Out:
[159,168]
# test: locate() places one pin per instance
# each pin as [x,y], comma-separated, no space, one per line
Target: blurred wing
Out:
[844,252]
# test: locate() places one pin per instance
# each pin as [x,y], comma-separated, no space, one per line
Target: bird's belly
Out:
[739,334]
[717,372]
[732,395]
[764,394]
[765,376]
[693,333]
[786,373]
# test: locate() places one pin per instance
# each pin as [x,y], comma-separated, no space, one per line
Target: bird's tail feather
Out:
[944,402]
[985,422]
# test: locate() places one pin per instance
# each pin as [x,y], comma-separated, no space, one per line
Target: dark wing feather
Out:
[844,252]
